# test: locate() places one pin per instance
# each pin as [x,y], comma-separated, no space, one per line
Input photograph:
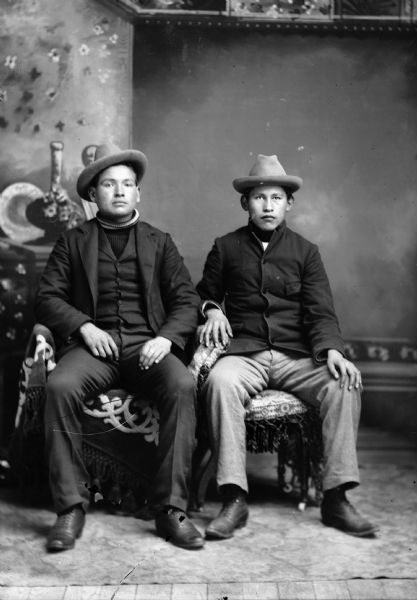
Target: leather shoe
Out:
[234,514]
[338,512]
[67,528]
[174,525]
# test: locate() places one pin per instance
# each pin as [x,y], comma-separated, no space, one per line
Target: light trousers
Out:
[235,378]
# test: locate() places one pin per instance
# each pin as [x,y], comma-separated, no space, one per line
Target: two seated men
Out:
[121,306]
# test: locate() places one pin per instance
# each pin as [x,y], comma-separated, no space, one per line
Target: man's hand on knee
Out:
[216,329]
[99,342]
[343,369]
[153,351]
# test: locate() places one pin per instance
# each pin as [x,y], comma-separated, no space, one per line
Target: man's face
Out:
[117,193]
[267,206]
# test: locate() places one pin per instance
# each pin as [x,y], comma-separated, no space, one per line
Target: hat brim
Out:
[135,157]
[291,182]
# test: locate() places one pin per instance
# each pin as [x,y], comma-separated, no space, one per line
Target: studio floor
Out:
[281,554]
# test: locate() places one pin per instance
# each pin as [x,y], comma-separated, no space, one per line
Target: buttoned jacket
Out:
[278,298]
[68,288]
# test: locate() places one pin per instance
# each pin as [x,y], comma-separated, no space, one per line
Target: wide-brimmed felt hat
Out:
[106,156]
[267,170]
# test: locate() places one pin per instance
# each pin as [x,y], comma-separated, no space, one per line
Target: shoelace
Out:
[65,519]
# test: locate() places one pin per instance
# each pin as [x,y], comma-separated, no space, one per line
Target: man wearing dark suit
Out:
[283,332]
[121,306]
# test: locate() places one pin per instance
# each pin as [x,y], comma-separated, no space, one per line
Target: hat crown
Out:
[107,149]
[267,166]
[107,155]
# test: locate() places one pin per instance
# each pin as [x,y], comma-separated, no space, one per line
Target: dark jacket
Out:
[279,298]
[67,295]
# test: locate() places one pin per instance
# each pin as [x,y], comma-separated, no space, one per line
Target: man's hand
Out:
[99,342]
[343,369]
[217,327]
[153,351]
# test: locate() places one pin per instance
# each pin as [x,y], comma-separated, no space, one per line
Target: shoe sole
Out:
[197,545]
[364,533]
[213,534]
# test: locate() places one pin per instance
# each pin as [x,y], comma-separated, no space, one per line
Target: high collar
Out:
[107,224]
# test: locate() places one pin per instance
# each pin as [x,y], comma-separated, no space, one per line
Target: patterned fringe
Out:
[284,437]
[267,435]
[124,490]
[107,469]
[31,419]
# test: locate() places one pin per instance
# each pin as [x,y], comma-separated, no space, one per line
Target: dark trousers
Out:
[79,374]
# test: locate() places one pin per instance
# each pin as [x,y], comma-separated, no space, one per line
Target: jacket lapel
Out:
[146,252]
[88,250]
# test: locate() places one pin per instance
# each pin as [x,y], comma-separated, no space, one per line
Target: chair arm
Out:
[203,360]
[38,361]
[41,345]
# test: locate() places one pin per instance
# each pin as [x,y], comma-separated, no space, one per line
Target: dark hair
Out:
[94,181]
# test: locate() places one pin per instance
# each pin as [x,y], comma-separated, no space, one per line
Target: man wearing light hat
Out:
[282,331]
[121,306]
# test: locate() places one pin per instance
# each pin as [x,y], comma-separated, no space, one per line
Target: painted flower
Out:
[54,55]
[3,95]
[103,75]
[10,62]
[104,51]
[272,11]
[11,334]
[105,24]
[50,211]
[51,93]
[98,30]
[113,38]
[20,268]
[84,50]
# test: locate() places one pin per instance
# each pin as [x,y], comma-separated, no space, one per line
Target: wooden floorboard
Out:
[125,592]
[260,591]
[404,589]
[231,591]
[189,591]
[90,592]
[361,589]
[331,590]
[354,589]
[296,590]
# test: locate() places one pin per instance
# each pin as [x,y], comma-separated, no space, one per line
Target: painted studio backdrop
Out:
[201,102]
